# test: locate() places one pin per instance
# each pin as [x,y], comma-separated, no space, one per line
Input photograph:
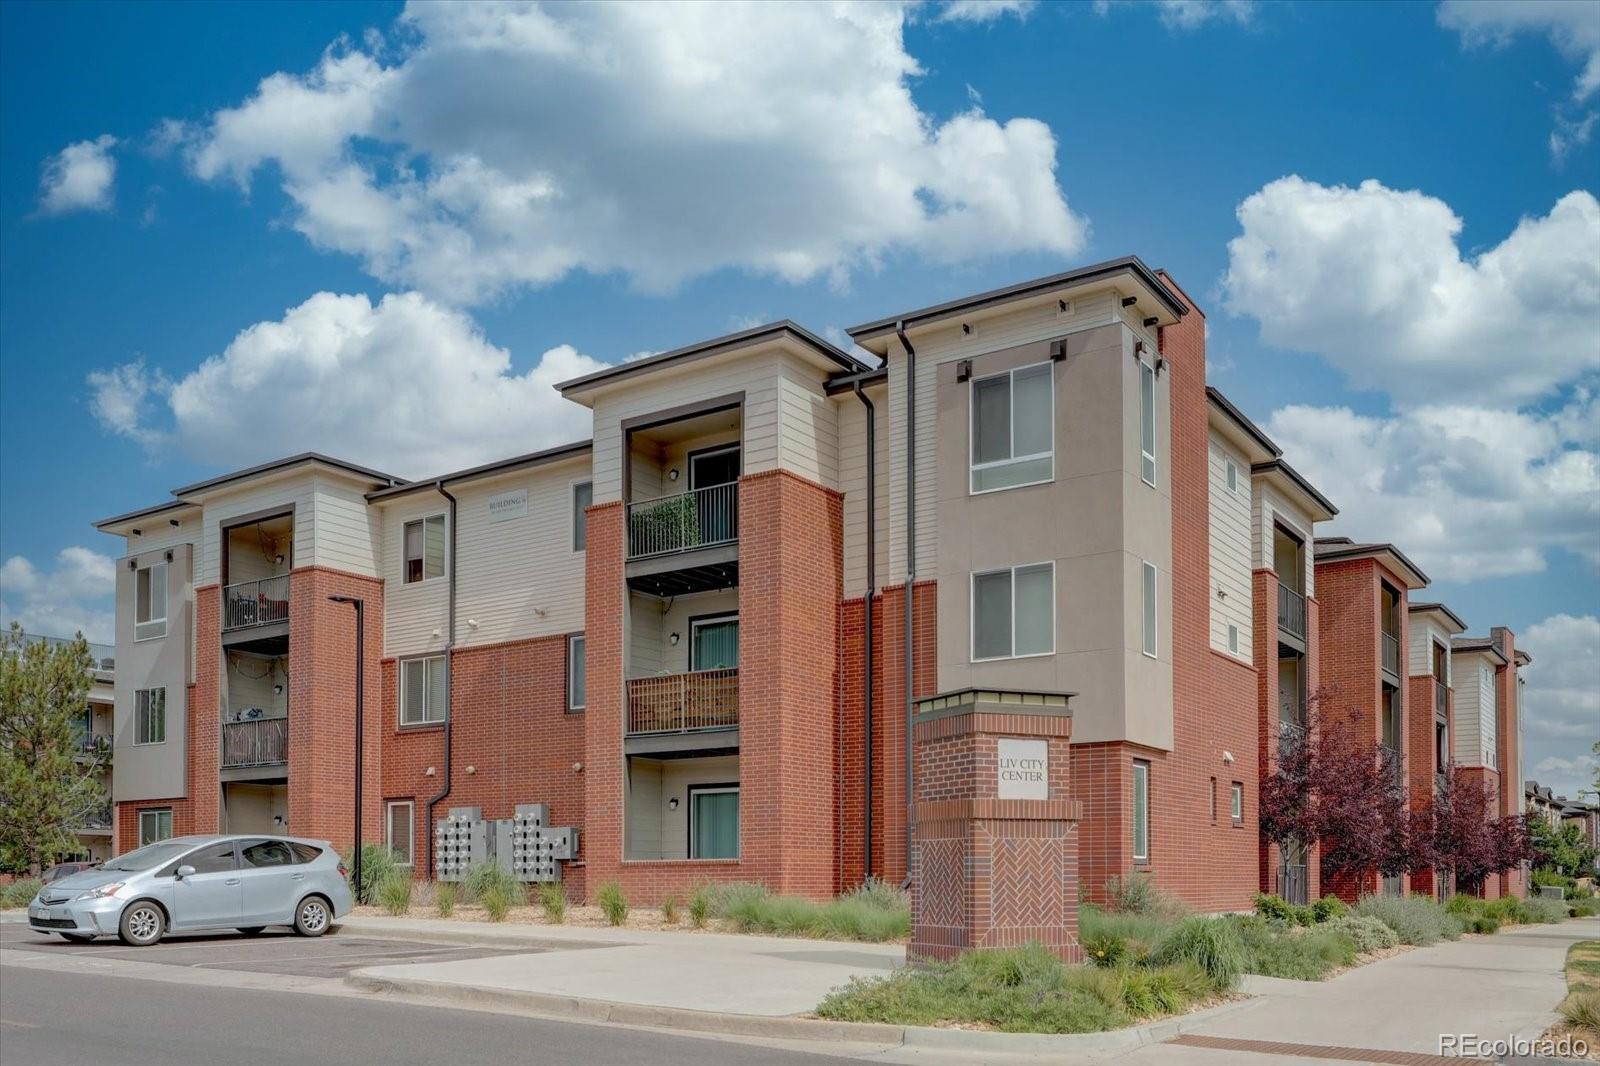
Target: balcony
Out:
[1291,612]
[97,820]
[1394,766]
[1391,653]
[683,703]
[1441,700]
[1291,735]
[94,745]
[259,742]
[251,604]
[699,518]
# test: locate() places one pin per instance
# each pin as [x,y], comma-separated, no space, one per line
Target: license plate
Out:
[59,912]
[37,912]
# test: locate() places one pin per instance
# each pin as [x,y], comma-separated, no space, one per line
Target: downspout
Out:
[872,583]
[449,677]
[911,559]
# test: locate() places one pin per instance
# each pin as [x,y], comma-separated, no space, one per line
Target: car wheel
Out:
[252,930]
[77,938]
[142,924]
[313,916]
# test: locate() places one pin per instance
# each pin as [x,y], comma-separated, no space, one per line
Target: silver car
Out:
[244,882]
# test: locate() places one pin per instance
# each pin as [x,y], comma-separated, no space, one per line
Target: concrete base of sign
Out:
[994,860]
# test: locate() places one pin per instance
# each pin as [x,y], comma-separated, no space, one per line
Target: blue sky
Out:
[1387,211]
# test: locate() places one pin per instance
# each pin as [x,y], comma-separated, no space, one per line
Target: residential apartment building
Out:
[1488,717]
[698,636]
[1430,727]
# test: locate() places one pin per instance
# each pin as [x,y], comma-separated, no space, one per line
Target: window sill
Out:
[419,727]
[1007,488]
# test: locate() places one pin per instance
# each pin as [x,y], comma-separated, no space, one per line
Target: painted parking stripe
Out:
[1318,1051]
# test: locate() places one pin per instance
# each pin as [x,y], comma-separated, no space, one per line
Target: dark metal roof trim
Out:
[143,512]
[280,464]
[1127,264]
[549,455]
[1335,548]
[1476,644]
[1420,608]
[1215,396]
[715,346]
[842,383]
[1299,482]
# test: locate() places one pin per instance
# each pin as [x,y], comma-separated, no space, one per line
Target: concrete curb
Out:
[788,1027]
[471,938]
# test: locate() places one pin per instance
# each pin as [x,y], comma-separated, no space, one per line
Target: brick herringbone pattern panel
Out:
[941,888]
[1027,882]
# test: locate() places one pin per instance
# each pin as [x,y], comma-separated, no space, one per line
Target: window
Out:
[150,602]
[424,545]
[1441,745]
[1213,799]
[577,663]
[1233,639]
[400,814]
[582,497]
[1233,476]
[154,824]
[1237,806]
[150,716]
[304,853]
[714,642]
[1147,423]
[1141,811]
[263,853]
[216,859]
[1150,642]
[1013,428]
[423,687]
[1013,612]
[714,822]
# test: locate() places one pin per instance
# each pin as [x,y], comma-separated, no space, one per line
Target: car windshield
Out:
[149,857]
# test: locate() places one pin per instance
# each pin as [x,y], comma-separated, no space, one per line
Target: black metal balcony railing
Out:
[1291,612]
[94,744]
[1391,653]
[99,818]
[1441,699]
[682,703]
[256,603]
[699,518]
[1291,735]
[259,742]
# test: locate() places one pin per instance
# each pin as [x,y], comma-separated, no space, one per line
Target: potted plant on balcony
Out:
[671,524]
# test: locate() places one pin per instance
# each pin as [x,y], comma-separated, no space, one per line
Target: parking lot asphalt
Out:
[276,951]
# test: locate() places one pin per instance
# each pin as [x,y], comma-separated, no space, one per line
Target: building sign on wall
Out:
[507,505]
[1024,769]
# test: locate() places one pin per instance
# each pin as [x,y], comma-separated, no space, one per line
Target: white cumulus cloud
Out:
[405,385]
[1191,14]
[73,597]
[79,177]
[1561,704]
[1374,280]
[984,10]
[508,145]
[1573,26]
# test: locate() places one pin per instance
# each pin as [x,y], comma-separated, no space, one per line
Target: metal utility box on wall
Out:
[461,840]
[525,844]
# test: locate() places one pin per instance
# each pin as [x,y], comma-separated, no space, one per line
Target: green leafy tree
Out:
[1561,847]
[48,787]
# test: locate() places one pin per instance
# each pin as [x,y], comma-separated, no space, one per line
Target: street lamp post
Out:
[360,607]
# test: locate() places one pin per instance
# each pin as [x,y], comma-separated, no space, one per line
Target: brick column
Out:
[995,850]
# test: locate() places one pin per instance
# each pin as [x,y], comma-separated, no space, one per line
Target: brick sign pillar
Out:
[995,843]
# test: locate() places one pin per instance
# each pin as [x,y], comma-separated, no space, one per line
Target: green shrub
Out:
[553,901]
[1327,908]
[613,903]
[444,898]
[734,896]
[1136,894]
[377,864]
[394,892]
[700,906]
[870,914]
[1212,944]
[1585,908]
[1274,908]
[1141,932]
[498,898]
[1481,923]
[1582,1011]
[1553,878]
[669,910]
[480,877]
[1508,910]
[1415,919]
[20,892]
[1464,905]
[1291,953]
[1106,949]
[1544,911]
[1366,933]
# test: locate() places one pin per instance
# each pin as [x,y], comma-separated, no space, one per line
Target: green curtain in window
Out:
[716,825]
[716,645]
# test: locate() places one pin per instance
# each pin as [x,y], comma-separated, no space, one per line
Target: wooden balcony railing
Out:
[1291,612]
[256,603]
[696,519]
[258,742]
[682,703]
[1391,653]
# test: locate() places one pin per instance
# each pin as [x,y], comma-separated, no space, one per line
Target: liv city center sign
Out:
[1023,768]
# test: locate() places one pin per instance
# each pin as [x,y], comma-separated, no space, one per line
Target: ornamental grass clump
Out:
[394,892]
[700,906]
[553,901]
[498,898]
[444,898]
[1415,919]
[613,904]
[20,892]
[1366,933]
[483,876]
[1212,944]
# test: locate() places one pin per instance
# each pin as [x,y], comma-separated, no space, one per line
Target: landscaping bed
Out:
[1580,1010]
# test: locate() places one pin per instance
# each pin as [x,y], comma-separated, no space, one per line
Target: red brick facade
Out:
[1264,627]
[1421,755]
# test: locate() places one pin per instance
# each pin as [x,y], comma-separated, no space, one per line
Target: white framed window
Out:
[1233,639]
[1238,803]
[1147,423]
[424,548]
[150,716]
[582,497]
[1233,476]
[1141,811]
[1014,612]
[150,602]
[155,823]
[399,834]
[1150,643]
[577,663]
[424,684]
[1013,428]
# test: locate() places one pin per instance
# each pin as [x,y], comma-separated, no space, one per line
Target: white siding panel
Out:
[414,615]
[1232,585]
[298,492]
[346,529]
[1474,711]
[159,532]
[1424,635]
[852,418]
[1270,506]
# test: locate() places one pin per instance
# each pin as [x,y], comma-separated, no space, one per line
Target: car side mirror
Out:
[184,871]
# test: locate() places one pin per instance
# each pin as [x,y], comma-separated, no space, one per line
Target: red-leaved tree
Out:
[1464,837]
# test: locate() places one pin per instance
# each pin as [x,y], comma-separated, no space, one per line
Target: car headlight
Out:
[104,890]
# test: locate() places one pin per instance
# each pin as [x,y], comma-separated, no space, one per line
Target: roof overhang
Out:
[1478,646]
[173,511]
[278,468]
[1152,297]
[840,384]
[1442,616]
[785,334]
[1385,555]
[1523,658]
[1242,433]
[515,464]
[1300,492]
